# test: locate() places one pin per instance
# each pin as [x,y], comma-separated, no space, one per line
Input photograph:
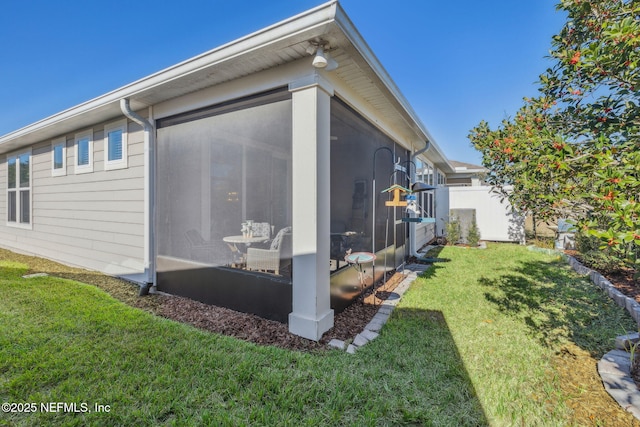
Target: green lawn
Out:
[469,344]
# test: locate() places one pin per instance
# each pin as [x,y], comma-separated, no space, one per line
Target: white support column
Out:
[312,314]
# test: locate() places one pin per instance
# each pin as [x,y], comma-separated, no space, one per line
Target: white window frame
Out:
[18,205]
[427,197]
[78,169]
[119,163]
[56,143]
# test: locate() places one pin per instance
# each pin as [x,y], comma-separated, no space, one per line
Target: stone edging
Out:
[372,329]
[615,367]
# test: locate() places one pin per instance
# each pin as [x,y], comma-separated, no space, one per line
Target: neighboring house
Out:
[466,174]
[239,177]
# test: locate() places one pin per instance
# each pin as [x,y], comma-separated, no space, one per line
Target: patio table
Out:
[247,241]
[233,242]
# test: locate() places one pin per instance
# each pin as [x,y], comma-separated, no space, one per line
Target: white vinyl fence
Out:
[494,217]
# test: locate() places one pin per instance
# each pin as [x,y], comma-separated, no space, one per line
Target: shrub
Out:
[586,243]
[473,235]
[601,261]
[453,231]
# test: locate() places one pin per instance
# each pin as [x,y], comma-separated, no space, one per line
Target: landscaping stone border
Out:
[372,329]
[615,367]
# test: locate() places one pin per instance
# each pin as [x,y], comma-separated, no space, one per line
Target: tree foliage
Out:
[574,151]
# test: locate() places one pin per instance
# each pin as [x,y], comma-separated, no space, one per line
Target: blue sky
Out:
[455,62]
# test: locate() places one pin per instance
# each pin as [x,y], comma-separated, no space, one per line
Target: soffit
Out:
[269,48]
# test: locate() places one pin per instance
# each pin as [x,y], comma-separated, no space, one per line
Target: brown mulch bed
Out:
[248,327]
[622,279]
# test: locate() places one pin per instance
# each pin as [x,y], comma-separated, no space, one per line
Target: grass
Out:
[510,312]
[470,344]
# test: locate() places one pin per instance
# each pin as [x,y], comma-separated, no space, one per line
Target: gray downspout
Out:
[150,200]
[413,251]
[417,153]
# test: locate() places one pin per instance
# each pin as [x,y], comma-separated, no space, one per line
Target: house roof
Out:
[461,167]
[270,47]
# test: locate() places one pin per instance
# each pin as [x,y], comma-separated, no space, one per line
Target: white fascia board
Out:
[298,24]
[356,39]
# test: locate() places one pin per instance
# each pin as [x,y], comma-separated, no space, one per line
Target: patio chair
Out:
[267,259]
[261,229]
[200,249]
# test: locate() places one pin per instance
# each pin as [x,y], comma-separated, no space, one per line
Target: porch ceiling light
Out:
[321,59]
[421,186]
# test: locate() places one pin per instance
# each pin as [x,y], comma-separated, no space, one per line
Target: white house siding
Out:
[92,220]
[425,233]
[442,210]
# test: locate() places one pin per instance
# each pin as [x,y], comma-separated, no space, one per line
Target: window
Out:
[429,206]
[19,190]
[425,202]
[59,157]
[84,152]
[426,199]
[115,145]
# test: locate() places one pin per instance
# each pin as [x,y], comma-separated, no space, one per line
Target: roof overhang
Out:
[276,45]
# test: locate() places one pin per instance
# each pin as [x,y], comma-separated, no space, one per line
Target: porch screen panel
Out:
[354,142]
[218,171]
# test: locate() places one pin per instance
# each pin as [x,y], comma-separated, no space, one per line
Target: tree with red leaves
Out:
[574,151]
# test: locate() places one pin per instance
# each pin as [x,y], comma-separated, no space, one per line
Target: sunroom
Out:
[263,195]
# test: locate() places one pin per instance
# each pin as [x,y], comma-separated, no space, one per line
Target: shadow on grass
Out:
[433,270]
[557,306]
[418,345]
[433,255]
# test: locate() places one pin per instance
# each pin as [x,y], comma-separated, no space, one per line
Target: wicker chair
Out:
[261,229]
[267,259]
[200,249]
